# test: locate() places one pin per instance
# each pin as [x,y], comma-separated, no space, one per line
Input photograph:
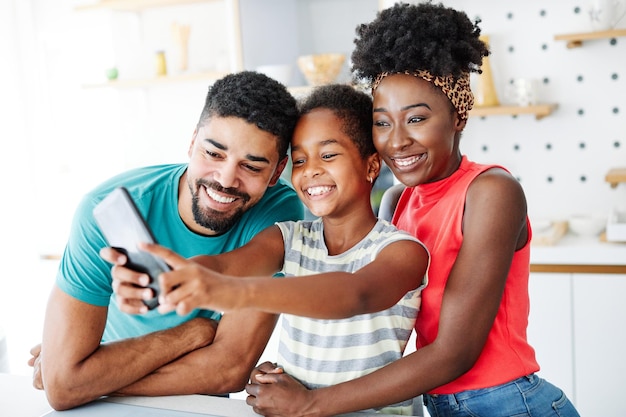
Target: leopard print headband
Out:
[456,89]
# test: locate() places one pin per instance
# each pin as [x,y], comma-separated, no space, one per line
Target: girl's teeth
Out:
[318,190]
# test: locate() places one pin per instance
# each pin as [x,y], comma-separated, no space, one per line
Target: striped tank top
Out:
[326,352]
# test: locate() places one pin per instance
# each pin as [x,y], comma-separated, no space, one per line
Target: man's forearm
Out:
[194,373]
[115,365]
[219,368]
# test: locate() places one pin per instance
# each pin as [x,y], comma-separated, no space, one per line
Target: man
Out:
[229,191]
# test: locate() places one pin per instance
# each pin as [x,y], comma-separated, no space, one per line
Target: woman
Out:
[472,355]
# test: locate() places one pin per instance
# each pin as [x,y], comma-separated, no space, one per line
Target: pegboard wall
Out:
[562,159]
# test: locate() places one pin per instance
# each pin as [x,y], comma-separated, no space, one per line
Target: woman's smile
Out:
[405,162]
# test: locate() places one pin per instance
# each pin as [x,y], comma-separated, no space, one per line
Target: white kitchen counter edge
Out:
[20,399]
[191,403]
[225,407]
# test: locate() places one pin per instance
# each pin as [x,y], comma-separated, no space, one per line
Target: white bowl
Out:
[586,224]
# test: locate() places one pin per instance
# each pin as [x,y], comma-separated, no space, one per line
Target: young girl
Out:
[347,263]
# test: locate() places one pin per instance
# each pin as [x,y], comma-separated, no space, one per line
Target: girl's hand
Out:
[190,285]
[264,368]
[279,395]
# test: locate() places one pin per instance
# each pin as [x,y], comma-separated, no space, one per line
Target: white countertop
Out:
[20,399]
[574,250]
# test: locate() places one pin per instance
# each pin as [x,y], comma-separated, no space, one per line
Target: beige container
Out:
[160,66]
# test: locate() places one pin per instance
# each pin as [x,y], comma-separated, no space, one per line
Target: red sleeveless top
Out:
[434,214]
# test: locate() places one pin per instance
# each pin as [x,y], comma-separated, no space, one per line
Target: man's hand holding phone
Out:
[125,229]
[132,294]
[130,286]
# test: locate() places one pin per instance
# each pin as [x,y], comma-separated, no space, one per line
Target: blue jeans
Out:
[528,396]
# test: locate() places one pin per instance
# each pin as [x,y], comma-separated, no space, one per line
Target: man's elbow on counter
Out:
[62,397]
[62,402]
[231,380]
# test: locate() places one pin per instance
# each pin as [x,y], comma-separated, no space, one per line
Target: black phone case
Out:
[123,228]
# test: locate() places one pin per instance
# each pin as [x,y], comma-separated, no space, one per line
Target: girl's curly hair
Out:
[425,36]
[352,107]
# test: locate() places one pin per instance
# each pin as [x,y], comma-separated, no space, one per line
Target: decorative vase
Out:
[485,90]
[180,34]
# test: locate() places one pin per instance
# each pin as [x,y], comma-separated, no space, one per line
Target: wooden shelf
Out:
[575,40]
[155,81]
[539,110]
[615,176]
[134,5]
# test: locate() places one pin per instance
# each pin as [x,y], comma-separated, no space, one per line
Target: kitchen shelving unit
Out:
[539,111]
[137,6]
[575,40]
[259,33]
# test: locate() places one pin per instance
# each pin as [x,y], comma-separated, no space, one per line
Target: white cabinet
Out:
[550,328]
[577,327]
[599,319]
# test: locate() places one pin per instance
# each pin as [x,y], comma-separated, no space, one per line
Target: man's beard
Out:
[217,221]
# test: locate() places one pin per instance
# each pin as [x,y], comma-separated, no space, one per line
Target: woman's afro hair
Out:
[425,36]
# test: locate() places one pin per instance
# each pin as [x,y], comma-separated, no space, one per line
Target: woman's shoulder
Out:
[495,179]
[496,192]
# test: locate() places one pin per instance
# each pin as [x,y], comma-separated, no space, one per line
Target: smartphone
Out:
[123,227]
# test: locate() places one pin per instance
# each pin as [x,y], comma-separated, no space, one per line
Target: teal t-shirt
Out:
[87,277]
